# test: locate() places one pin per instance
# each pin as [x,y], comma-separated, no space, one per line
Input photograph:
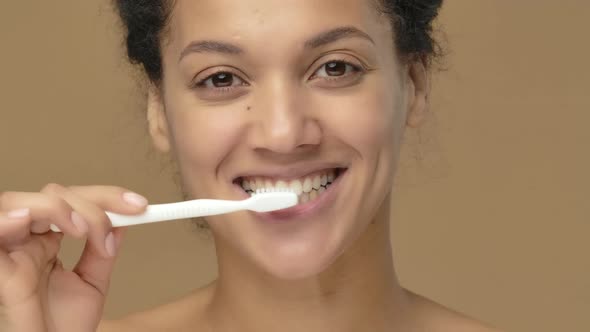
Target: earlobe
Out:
[157,122]
[418,93]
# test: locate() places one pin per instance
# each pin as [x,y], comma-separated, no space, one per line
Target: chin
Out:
[296,263]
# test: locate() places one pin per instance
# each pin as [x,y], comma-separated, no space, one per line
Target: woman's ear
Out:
[157,122]
[418,83]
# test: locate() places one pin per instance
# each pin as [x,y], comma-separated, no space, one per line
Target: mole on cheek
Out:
[248,108]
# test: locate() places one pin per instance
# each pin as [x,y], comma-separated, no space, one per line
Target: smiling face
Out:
[272,93]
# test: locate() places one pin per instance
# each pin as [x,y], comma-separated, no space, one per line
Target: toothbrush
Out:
[264,200]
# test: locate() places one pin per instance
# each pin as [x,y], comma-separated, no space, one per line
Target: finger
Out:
[112,198]
[32,256]
[44,209]
[94,268]
[7,267]
[42,250]
[93,218]
[14,227]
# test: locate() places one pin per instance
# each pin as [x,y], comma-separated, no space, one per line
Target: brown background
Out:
[492,205]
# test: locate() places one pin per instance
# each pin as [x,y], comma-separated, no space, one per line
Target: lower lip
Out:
[307,209]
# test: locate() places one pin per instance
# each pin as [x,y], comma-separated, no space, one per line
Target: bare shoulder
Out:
[184,314]
[437,318]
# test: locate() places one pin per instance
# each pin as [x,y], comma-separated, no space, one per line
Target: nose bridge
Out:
[280,123]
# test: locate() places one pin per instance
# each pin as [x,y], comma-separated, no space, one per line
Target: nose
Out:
[283,123]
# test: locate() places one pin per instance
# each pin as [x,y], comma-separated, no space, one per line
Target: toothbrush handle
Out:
[180,210]
[173,211]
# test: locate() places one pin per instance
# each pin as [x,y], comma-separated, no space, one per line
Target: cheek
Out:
[205,139]
[202,138]
[367,120]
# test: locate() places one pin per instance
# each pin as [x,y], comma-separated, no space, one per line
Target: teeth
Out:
[324,179]
[330,176]
[317,182]
[271,190]
[297,187]
[307,185]
[268,184]
[313,195]
[304,198]
[308,188]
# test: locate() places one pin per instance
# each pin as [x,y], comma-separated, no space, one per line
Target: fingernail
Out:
[79,222]
[20,213]
[110,244]
[135,199]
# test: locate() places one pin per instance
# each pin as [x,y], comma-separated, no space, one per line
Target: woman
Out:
[248,94]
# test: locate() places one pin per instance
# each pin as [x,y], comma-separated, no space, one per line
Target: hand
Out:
[36,293]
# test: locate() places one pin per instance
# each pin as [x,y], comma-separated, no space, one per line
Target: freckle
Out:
[248,108]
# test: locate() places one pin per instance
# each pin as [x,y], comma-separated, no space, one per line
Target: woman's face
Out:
[269,93]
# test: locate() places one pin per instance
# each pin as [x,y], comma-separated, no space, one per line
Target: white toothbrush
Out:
[264,200]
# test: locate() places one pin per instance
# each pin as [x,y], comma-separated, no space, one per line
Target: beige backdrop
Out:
[491,220]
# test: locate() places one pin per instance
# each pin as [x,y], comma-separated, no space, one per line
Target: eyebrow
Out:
[333,35]
[210,46]
[322,39]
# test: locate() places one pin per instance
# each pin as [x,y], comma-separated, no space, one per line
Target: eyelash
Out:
[356,69]
[202,83]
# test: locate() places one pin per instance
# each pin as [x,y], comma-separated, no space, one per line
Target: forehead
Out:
[268,21]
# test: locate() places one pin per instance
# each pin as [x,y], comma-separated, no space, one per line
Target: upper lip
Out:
[287,173]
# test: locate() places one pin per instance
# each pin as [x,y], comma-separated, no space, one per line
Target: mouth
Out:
[308,188]
[314,191]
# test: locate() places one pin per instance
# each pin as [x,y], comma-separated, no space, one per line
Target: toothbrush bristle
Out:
[273,190]
[272,199]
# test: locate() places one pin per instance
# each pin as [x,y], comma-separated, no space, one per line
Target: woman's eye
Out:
[335,69]
[221,80]
[219,86]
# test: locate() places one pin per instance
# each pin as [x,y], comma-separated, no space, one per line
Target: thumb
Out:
[94,268]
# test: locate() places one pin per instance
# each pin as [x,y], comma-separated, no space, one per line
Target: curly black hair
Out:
[145,22]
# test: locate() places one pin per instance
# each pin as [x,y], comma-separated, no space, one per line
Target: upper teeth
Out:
[302,185]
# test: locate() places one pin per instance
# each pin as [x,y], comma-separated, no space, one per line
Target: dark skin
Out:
[350,285]
[330,91]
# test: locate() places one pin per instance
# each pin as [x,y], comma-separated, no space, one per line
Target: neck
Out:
[359,292]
